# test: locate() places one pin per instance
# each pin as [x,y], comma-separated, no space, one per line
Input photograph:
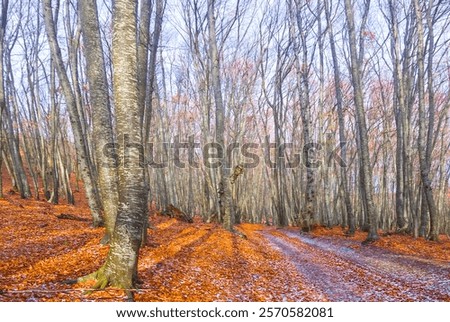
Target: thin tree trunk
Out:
[80,144]
[342,137]
[224,183]
[399,110]
[434,218]
[10,122]
[102,117]
[4,20]
[428,199]
[366,172]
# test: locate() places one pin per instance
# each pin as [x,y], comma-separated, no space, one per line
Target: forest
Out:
[212,150]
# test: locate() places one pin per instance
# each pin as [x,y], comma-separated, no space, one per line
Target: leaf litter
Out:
[203,262]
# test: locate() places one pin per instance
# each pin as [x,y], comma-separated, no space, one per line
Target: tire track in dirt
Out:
[423,276]
[356,277]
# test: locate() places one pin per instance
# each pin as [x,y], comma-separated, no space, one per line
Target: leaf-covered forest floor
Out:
[203,262]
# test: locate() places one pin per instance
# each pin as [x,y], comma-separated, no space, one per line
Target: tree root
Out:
[71,217]
[102,281]
[349,233]
[70,281]
[240,234]
[370,240]
[101,284]
[402,230]
[305,229]
[101,278]
[105,240]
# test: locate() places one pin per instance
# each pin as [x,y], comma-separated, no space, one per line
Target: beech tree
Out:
[224,189]
[83,154]
[425,144]
[7,119]
[103,133]
[363,140]
[120,267]
[340,113]
[2,85]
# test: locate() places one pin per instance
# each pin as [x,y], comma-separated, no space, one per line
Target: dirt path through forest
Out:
[343,270]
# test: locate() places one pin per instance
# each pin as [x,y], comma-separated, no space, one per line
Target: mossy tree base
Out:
[371,238]
[103,279]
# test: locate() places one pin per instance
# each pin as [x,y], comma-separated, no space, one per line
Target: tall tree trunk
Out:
[224,182]
[54,196]
[10,122]
[424,144]
[342,137]
[434,218]
[146,73]
[4,20]
[366,171]
[399,110]
[102,116]
[120,268]
[142,61]
[309,147]
[80,144]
